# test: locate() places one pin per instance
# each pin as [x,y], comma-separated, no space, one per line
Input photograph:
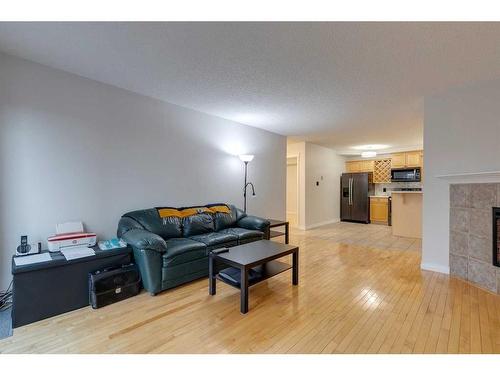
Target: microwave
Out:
[405,175]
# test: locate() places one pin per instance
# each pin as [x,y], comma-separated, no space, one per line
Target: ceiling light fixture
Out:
[368,154]
[370,147]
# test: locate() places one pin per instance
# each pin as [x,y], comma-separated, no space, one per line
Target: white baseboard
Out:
[435,267]
[321,224]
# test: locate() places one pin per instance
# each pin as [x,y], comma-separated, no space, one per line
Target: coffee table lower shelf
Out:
[266,271]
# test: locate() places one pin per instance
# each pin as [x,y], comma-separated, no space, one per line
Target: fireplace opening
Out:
[496,236]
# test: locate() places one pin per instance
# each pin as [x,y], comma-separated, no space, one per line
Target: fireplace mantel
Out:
[471,177]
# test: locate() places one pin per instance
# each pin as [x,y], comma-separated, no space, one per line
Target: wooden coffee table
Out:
[260,256]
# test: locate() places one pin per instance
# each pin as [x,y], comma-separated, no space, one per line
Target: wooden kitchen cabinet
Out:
[353,166]
[398,160]
[367,165]
[379,210]
[359,166]
[414,159]
[410,159]
[381,168]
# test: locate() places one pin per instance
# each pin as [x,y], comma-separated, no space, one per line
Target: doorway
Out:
[292,190]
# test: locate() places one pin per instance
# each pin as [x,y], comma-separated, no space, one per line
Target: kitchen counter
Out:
[406,192]
[407,213]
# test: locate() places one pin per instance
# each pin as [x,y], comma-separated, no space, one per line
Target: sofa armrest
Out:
[254,223]
[148,254]
[143,239]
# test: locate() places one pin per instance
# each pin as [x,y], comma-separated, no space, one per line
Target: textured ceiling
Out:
[336,84]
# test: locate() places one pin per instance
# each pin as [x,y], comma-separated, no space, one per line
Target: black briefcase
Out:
[115,284]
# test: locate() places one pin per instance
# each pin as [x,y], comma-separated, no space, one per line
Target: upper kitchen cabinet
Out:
[367,165]
[411,159]
[381,167]
[359,166]
[398,160]
[353,166]
[414,159]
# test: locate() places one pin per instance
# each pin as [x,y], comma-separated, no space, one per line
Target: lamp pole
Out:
[246,159]
[245,189]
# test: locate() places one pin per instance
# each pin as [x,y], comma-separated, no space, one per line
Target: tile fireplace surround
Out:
[471,233]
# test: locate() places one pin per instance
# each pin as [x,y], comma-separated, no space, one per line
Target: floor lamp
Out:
[246,159]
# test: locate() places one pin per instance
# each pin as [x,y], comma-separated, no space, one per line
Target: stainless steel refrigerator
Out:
[355,191]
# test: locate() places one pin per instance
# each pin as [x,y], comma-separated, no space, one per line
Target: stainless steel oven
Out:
[405,175]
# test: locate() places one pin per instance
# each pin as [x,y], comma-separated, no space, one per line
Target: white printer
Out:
[70,235]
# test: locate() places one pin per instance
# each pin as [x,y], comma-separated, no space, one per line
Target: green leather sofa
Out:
[175,251]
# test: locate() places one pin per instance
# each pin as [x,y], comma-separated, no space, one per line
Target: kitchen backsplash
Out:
[379,188]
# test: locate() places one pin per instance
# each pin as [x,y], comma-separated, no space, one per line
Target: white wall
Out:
[318,204]
[324,166]
[75,149]
[461,135]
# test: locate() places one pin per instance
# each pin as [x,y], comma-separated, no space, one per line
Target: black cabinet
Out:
[46,289]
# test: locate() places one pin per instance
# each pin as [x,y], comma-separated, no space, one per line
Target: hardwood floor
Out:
[361,290]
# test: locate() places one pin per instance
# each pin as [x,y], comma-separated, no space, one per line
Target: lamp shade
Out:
[246,158]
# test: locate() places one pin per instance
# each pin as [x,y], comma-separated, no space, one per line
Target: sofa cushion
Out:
[182,250]
[216,238]
[151,221]
[244,234]
[198,224]
[224,220]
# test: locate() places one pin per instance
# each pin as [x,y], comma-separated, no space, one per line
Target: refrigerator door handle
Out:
[350,191]
[349,196]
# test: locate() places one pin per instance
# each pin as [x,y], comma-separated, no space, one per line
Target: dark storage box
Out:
[111,285]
